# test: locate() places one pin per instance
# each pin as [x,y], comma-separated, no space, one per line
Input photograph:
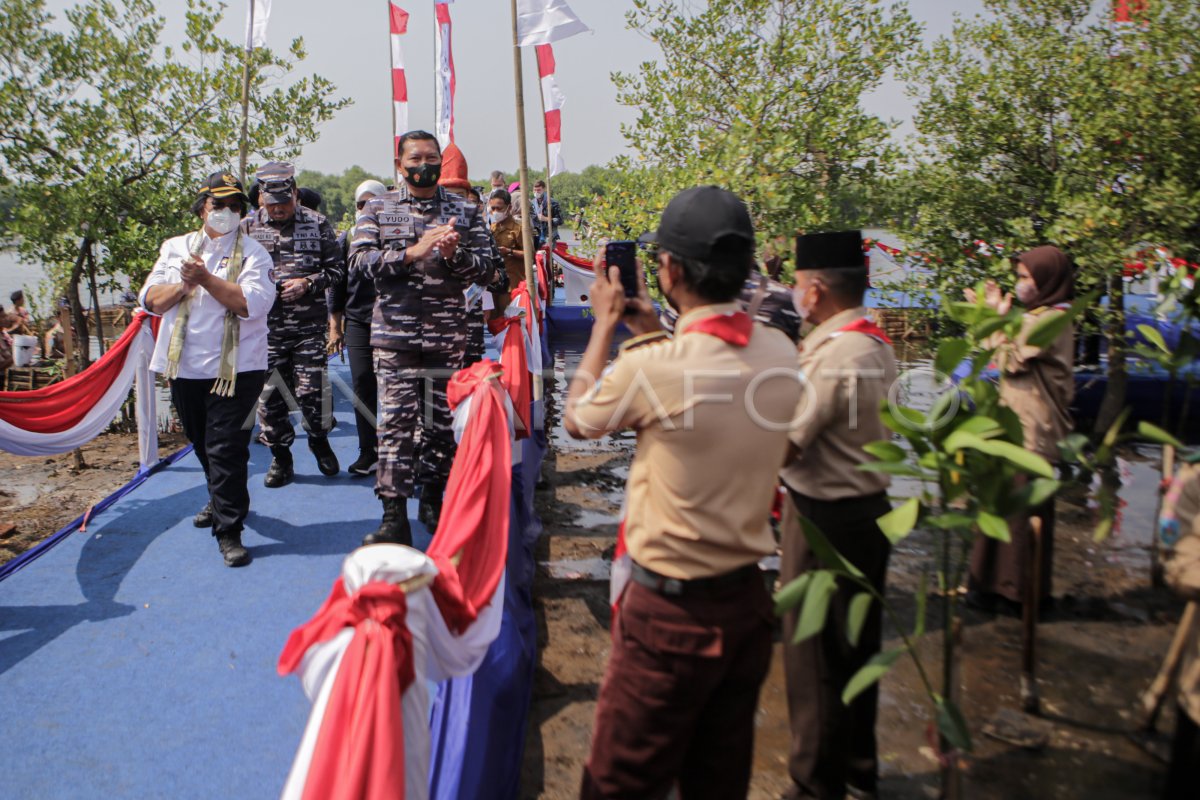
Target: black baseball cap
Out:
[701,221]
[222,185]
[830,250]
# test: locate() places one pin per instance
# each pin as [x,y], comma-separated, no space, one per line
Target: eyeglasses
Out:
[216,205]
[360,204]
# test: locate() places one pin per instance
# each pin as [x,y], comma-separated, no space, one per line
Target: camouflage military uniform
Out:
[302,247]
[419,327]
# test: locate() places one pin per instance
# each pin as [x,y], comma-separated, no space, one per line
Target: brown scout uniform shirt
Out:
[701,484]
[847,376]
[1039,385]
[508,234]
[1182,571]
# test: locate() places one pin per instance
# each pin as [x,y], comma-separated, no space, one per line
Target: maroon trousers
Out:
[679,696]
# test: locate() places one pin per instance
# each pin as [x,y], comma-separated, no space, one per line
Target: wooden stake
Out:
[1029,691]
[526,213]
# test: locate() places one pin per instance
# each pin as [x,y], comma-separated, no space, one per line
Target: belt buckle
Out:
[671,586]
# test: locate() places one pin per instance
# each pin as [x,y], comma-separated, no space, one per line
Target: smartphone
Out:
[623,256]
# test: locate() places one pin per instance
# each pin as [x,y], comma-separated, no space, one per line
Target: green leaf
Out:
[899,522]
[825,551]
[1048,328]
[902,470]
[994,527]
[1041,490]
[950,354]
[981,426]
[1156,434]
[952,725]
[989,326]
[816,606]
[856,617]
[869,674]
[792,594]
[1152,335]
[1103,529]
[885,451]
[1017,456]
[950,522]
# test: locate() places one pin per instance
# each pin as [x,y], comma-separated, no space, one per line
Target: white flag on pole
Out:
[256,33]
[546,21]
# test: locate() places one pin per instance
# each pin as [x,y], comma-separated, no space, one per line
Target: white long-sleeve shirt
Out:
[206,321]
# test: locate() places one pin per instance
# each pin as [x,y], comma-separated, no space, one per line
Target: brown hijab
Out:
[1053,272]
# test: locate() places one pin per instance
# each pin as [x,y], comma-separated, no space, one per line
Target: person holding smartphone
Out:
[711,407]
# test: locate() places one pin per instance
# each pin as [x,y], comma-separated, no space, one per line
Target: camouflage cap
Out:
[276,180]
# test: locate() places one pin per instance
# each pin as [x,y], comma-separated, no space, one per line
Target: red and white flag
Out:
[398,23]
[552,100]
[546,21]
[444,95]
[1130,11]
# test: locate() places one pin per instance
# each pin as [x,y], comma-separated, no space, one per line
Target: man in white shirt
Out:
[213,290]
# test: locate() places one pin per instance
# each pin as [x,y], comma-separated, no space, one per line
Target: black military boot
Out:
[395,528]
[326,461]
[430,509]
[280,472]
[231,548]
[367,463]
[205,518]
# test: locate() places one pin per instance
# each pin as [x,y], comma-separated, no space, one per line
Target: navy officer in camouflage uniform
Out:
[307,260]
[422,246]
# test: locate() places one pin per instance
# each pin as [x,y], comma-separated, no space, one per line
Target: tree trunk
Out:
[91,262]
[1118,376]
[83,348]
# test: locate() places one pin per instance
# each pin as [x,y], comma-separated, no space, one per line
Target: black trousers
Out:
[219,429]
[833,745]
[1183,776]
[362,379]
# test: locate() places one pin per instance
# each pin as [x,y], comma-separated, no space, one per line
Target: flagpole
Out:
[549,200]
[394,157]
[526,222]
[243,144]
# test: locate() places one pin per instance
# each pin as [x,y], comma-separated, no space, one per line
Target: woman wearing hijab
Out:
[1039,385]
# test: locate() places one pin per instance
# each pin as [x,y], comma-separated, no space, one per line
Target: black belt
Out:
[678,587]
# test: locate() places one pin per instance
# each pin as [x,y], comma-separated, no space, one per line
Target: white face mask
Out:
[222,220]
[801,309]
[499,216]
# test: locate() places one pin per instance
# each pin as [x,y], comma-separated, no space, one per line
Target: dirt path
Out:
[1098,650]
[39,495]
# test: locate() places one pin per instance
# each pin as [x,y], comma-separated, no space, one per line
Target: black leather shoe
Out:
[231,548]
[365,465]
[326,461]
[204,519]
[395,527]
[281,472]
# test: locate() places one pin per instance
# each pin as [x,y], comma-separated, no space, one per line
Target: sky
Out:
[347,42]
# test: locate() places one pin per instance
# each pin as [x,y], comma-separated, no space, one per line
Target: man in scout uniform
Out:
[848,367]
[422,246]
[307,261]
[711,408]
[212,291]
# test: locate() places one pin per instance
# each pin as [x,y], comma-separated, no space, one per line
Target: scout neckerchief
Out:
[227,369]
[864,325]
[732,327]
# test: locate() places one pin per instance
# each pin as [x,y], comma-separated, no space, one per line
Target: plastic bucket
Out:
[23,347]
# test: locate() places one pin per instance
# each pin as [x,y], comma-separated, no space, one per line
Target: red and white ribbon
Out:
[444,87]
[552,99]
[67,415]
[398,23]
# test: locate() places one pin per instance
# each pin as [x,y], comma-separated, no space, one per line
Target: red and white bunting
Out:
[398,22]
[444,87]
[552,99]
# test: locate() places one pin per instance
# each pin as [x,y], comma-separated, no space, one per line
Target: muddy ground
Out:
[1098,650]
[39,495]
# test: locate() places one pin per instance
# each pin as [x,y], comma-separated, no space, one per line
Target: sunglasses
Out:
[360,205]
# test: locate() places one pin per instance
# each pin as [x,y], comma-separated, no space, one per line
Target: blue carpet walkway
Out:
[134,664]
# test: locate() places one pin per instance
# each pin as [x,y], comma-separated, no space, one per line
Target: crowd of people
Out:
[728,401]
